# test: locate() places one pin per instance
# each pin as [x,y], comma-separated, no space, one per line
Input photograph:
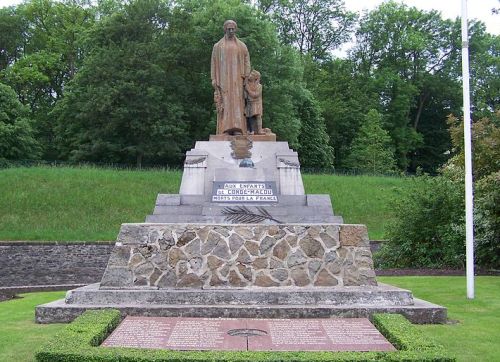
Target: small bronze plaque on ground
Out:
[337,334]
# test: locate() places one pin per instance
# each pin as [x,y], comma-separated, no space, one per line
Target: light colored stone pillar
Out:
[290,179]
[193,177]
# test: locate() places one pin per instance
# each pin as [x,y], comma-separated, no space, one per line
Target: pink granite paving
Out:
[339,334]
[335,334]
[177,333]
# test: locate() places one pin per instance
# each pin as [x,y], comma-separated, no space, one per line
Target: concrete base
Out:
[297,209]
[351,302]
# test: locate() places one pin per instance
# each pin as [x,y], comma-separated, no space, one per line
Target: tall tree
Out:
[52,51]
[345,96]
[315,150]
[315,27]
[412,55]
[120,107]
[371,150]
[12,29]
[17,140]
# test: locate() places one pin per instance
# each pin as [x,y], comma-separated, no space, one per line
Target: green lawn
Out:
[19,335]
[64,203]
[475,337]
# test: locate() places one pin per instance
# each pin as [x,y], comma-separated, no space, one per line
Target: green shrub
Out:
[79,340]
[428,230]
[487,221]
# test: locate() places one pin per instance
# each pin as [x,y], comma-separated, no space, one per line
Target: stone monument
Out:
[241,239]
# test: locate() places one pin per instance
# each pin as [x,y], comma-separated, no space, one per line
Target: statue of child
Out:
[253,106]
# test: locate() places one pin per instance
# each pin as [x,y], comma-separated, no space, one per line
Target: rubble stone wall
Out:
[49,263]
[236,256]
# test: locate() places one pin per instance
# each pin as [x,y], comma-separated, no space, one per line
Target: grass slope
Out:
[63,203]
[474,338]
[359,199]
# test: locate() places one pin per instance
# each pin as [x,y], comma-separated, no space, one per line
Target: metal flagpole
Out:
[469,223]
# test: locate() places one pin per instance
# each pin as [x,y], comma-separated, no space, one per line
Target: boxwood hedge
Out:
[80,340]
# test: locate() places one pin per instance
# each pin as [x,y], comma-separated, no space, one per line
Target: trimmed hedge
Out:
[80,340]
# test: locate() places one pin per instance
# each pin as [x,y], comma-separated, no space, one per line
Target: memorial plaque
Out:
[257,192]
[140,332]
[177,334]
[340,334]
[205,334]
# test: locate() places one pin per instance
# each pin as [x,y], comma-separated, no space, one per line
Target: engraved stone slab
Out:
[177,334]
[244,192]
[338,334]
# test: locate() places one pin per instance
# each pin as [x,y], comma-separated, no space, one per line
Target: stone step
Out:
[362,296]
[420,312]
[221,219]
[284,200]
[178,210]
[216,210]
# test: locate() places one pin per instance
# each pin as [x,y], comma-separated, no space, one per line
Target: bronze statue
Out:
[253,108]
[229,69]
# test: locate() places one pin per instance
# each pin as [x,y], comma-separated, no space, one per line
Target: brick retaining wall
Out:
[25,263]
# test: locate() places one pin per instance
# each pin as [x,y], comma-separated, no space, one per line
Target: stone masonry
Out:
[30,263]
[162,256]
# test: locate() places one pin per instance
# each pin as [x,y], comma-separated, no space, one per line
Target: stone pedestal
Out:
[197,256]
[296,260]
[213,161]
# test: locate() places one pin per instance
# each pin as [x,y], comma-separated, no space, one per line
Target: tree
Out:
[485,151]
[17,140]
[484,51]
[119,107]
[12,28]
[371,150]
[345,96]
[46,58]
[315,150]
[315,27]
[412,55]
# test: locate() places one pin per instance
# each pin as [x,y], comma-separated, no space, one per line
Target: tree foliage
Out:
[315,27]
[118,107]
[315,150]
[428,231]
[405,64]
[16,131]
[410,53]
[371,150]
